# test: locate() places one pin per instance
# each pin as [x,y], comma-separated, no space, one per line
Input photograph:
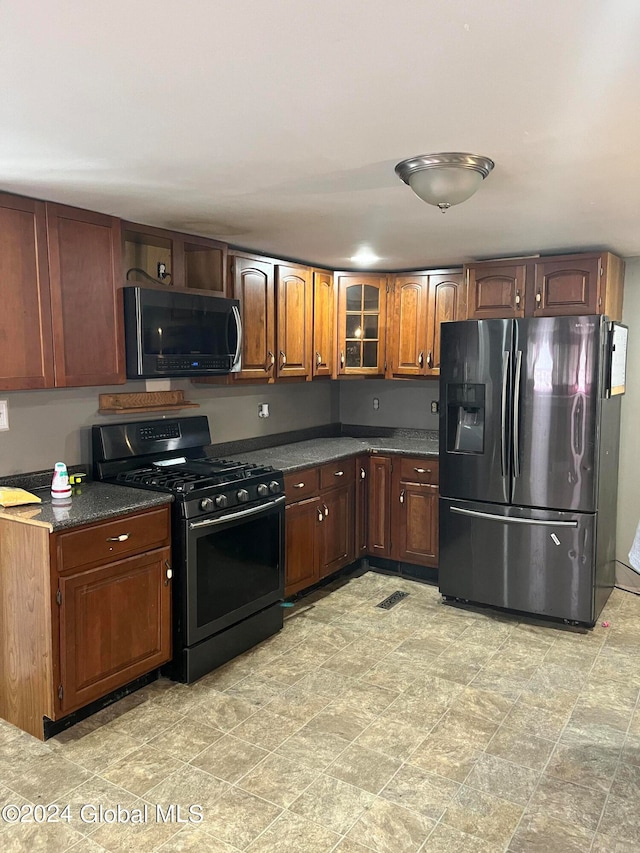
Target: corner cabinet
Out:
[362,324]
[421,302]
[88,610]
[562,285]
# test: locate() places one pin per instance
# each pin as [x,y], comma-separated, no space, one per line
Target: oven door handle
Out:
[212,522]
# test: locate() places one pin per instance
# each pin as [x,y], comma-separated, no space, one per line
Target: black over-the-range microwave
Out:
[177,333]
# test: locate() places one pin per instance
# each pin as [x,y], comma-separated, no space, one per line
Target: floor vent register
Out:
[392,599]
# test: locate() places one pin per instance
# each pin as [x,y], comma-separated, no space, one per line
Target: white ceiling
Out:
[276,124]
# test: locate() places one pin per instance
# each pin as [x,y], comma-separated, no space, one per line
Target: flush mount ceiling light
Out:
[364,257]
[444,179]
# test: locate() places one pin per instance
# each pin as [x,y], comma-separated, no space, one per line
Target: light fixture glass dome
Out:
[444,179]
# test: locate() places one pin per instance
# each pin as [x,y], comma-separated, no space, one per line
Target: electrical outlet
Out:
[435,407]
[4,414]
[376,403]
[263,410]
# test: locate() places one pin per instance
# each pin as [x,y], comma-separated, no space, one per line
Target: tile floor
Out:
[424,728]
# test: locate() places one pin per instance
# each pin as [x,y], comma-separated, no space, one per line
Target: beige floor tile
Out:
[446,839]
[39,838]
[520,747]
[484,815]
[142,837]
[364,768]
[608,844]
[540,833]
[46,778]
[503,779]
[187,787]
[222,711]
[486,704]
[332,803]
[186,739]
[538,722]
[90,796]
[350,663]
[98,749]
[349,846]
[587,764]
[291,833]
[298,704]
[313,748]
[388,828]
[192,839]
[453,746]
[397,741]
[142,770]
[564,801]
[420,791]
[397,672]
[626,782]
[278,780]
[145,721]
[229,758]
[239,818]
[336,719]
[87,845]
[257,690]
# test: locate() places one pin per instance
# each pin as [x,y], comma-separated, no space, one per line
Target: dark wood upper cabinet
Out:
[408,325]
[156,255]
[294,321]
[495,289]
[446,303]
[362,319]
[578,284]
[26,346]
[324,324]
[85,263]
[253,285]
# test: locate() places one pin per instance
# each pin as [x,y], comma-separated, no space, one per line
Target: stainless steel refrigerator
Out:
[528,465]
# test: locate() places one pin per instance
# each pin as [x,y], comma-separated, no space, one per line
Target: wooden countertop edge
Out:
[9,516]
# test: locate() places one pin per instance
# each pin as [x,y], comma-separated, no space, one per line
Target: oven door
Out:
[234,567]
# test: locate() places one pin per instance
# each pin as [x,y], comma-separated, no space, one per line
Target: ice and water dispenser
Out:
[465,418]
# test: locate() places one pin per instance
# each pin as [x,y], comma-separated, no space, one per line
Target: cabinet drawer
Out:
[418,470]
[300,485]
[112,540]
[338,473]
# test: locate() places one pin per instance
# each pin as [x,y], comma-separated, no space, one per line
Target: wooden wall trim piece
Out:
[26,681]
[144,401]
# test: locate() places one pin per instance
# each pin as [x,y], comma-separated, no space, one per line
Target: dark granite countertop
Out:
[91,502]
[303,454]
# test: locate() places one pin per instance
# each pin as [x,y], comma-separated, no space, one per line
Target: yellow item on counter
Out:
[17,497]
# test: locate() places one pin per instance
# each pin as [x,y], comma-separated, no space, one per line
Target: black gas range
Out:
[227,535]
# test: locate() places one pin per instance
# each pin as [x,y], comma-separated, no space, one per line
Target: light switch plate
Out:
[4,414]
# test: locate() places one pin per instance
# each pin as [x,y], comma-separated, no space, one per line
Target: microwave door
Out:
[234,318]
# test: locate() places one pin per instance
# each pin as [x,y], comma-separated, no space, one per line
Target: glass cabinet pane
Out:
[354,326]
[353,354]
[354,297]
[371,298]
[370,326]
[370,354]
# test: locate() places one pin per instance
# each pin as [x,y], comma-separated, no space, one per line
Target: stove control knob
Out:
[206,504]
[243,496]
[263,490]
[274,487]
[221,501]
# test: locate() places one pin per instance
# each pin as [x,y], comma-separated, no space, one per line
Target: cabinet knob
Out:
[168,573]
[538,298]
[122,538]
[298,485]
[517,297]
[283,359]
[318,359]
[326,509]
[320,515]
[421,358]
[338,473]
[422,470]
[342,358]
[402,496]
[429,359]
[363,474]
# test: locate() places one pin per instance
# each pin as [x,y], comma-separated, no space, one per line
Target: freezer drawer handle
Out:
[508,520]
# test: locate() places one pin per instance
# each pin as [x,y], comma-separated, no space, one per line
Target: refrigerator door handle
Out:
[508,520]
[503,412]
[516,415]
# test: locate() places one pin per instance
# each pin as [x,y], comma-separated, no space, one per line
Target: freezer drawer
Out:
[536,561]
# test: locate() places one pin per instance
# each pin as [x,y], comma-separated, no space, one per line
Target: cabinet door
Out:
[379,531]
[294,327]
[446,303]
[85,268]
[566,286]
[302,522]
[337,529]
[253,286]
[323,324]
[409,345]
[495,290]
[415,523]
[115,625]
[26,349]
[362,504]
[362,316]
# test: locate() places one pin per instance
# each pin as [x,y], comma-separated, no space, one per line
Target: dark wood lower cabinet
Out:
[415,523]
[115,625]
[302,521]
[379,517]
[362,505]
[337,530]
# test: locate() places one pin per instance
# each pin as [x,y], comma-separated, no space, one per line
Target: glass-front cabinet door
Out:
[362,315]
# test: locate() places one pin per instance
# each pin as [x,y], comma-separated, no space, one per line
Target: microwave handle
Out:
[236,359]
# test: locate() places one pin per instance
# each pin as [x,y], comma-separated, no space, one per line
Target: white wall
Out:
[629,472]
